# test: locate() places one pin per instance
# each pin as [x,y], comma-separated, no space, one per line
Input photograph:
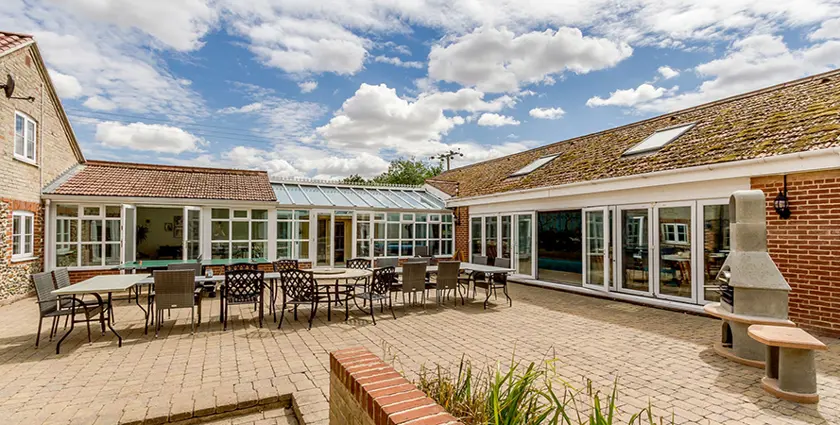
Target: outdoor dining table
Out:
[104,284]
[479,268]
[329,278]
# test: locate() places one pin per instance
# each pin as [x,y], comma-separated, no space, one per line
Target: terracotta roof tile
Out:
[798,116]
[10,40]
[103,178]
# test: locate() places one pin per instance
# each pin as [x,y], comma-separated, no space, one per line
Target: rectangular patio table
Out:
[481,268]
[99,285]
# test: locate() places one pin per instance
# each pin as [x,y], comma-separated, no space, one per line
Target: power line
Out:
[84,113]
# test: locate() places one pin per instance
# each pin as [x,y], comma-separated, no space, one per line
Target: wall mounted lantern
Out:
[781,204]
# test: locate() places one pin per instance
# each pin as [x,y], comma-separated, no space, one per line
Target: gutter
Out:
[835,151]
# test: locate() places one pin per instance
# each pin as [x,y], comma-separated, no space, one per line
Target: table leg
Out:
[110,325]
[72,324]
[137,290]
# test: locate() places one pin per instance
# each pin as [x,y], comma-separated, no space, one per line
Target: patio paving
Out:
[658,356]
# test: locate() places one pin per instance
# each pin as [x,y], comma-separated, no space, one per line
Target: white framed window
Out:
[87,235]
[23,235]
[239,233]
[25,137]
[675,233]
[293,234]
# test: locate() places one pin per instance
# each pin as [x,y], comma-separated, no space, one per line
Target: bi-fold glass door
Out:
[674,257]
[634,261]
[596,248]
[322,223]
[191,242]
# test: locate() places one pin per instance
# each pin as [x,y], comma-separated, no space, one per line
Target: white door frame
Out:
[515,243]
[126,210]
[185,231]
[655,235]
[620,243]
[604,286]
[313,236]
[699,268]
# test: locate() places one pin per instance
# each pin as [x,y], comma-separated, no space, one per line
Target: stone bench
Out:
[790,371]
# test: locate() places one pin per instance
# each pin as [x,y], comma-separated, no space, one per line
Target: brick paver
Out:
[658,356]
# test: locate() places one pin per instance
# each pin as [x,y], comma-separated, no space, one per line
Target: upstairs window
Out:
[658,139]
[25,140]
[530,168]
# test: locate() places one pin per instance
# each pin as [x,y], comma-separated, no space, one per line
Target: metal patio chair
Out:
[299,287]
[176,289]
[494,281]
[243,287]
[50,306]
[279,266]
[379,290]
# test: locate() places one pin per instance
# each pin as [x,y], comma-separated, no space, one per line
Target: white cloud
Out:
[398,62]
[497,60]
[244,109]
[308,86]
[147,137]
[100,103]
[495,120]
[67,86]
[667,72]
[828,30]
[752,63]
[547,113]
[628,97]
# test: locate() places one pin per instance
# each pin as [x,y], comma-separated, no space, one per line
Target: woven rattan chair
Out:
[243,287]
[194,267]
[414,282]
[447,280]
[299,287]
[176,289]
[422,251]
[479,259]
[379,290]
[49,305]
[386,262]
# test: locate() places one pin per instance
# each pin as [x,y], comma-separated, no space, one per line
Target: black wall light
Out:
[781,204]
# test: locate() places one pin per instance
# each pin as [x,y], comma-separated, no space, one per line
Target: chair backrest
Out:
[479,259]
[414,277]
[240,266]
[61,277]
[243,285]
[421,260]
[386,262]
[422,251]
[194,267]
[383,278]
[43,290]
[502,262]
[298,285]
[447,275]
[174,288]
[358,263]
[281,265]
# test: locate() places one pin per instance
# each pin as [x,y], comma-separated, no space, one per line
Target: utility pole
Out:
[448,156]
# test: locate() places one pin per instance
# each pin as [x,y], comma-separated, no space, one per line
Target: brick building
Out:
[37,146]
[639,212]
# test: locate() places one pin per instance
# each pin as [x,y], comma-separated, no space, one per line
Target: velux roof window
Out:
[528,169]
[658,139]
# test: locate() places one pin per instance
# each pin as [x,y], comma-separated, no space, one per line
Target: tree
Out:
[401,171]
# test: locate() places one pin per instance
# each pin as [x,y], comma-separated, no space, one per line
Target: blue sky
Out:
[327,88]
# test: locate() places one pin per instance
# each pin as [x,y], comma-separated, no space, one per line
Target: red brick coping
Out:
[366,389]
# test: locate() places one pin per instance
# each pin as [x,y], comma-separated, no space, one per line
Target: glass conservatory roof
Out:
[326,194]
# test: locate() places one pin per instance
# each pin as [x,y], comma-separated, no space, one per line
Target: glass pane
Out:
[506,234]
[112,254]
[302,250]
[447,218]
[434,231]
[240,213]
[258,250]
[92,255]
[220,213]
[476,236]
[113,211]
[67,210]
[523,244]
[435,247]
[66,255]
[595,247]
[221,231]
[193,227]
[675,251]
[220,251]
[490,234]
[90,211]
[17,225]
[379,231]
[259,230]
[240,230]
[446,247]
[91,231]
[239,250]
[420,218]
[30,140]
[284,250]
[362,230]
[315,195]
[259,214]
[634,249]
[16,247]
[363,248]
[193,250]
[393,230]
[420,231]
[112,230]
[715,246]
[297,195]
[19,132]
[335,197]
[393,216]
[323,250]
[362,217]
[284,215]
[406,249]
[303,230]
[407,231]
[393,248]
[284,230]
[282,197]
[302,215]
[353,196]
[447,231]
[378,248]
[559,247]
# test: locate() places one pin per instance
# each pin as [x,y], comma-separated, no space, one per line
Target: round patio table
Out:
[329,278]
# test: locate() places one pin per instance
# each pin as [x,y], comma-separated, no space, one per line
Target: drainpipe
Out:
[46,255]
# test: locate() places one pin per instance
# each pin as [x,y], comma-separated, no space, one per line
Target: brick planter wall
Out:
[806,247]
[364,390]
[462,232]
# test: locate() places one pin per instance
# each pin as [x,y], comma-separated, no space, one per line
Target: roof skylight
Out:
[528,169]
[658,139]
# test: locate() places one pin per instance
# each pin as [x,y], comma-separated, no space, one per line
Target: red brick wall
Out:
[462,232]
[806,247]
[77,276]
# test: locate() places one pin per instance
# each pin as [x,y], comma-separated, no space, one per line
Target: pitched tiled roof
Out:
[10,41]
[103,178]
[798,116]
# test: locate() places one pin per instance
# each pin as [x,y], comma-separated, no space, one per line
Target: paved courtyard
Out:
[658,356]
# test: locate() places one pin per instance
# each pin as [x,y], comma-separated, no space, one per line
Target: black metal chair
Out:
[299,287]
[240,266]
[279,266]
[242,287]
[379,290]
[494,282]
[50,305]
